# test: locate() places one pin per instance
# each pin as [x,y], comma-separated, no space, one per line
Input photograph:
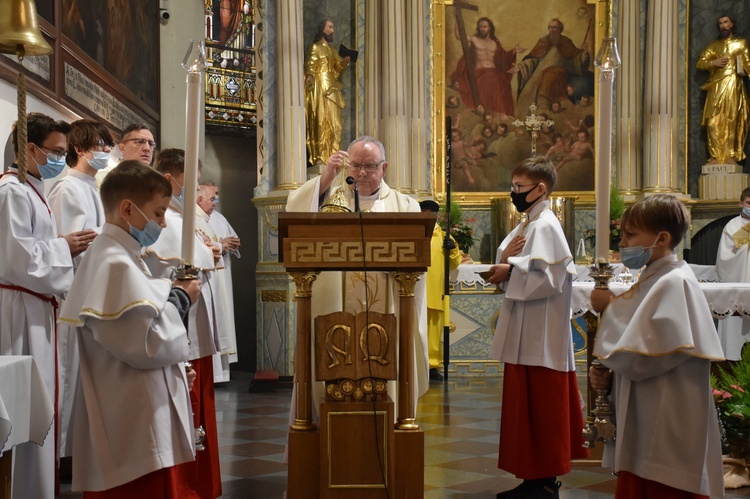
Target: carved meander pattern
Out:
[347,252]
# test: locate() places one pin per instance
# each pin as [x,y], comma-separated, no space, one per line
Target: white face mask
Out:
[100,160]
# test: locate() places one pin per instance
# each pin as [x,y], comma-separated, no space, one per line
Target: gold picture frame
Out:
[585,22]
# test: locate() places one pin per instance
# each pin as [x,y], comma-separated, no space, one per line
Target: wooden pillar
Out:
[406,413]
[303,351]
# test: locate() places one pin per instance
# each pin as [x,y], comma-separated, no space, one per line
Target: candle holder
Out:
[599,425]
[602,273]
[186,272]
[199,434]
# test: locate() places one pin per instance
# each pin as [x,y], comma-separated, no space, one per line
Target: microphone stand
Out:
[350,181]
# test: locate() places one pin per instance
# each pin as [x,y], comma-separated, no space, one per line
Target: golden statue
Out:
[725,115]
[323,98]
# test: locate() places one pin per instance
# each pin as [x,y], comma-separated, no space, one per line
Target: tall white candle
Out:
[603,164]
[195,64]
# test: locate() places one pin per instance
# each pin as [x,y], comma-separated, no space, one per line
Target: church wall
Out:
[9,113]
[185,23]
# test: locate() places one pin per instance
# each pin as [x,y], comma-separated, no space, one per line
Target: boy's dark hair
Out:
[172,161]
[134,180]
[660,212]
[84,135]
[38,128]
[538,169]
[745,194]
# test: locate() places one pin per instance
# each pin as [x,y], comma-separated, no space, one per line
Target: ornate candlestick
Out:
[599,425]
[195,64]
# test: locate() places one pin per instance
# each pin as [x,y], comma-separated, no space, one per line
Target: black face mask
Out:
[519,199]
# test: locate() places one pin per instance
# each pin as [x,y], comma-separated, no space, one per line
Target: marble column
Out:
[417,88]
[291,169]
[373,35]
[629,99]
[661,170]
[260,110]
[395,111]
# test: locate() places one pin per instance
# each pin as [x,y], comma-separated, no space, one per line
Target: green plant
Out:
[616,209]
[461,231]
[731,391]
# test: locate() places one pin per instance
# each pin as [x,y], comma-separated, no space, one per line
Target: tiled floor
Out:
[460,420]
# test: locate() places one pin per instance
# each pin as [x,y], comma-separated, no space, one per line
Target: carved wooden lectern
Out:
[358,451]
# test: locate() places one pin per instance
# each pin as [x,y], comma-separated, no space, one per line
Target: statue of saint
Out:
[725,115]
[323,98]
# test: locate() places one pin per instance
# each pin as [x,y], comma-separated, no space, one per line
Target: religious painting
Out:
[518,81]
[120,36]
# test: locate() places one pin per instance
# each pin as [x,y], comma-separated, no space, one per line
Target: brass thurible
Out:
[600,426]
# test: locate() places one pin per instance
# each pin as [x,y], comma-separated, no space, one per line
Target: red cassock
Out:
[542,409]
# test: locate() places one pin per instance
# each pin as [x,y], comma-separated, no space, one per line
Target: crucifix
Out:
[533,123]
[466,46]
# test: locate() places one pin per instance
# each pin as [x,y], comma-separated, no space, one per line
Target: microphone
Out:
[350,181]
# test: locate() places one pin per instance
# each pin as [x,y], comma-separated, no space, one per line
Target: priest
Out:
[366,163]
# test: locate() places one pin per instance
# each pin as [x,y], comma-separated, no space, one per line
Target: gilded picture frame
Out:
[490,133]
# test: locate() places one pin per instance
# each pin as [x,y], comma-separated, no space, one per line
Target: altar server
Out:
[659,340]
[542,420]
[162,258]
[75,202]
[36,270]
[132,421]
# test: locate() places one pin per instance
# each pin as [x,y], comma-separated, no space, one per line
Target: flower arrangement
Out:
[616,209]
[731,391]
[461,231]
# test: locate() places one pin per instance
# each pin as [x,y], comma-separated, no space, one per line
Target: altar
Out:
[475,306]
[25,411]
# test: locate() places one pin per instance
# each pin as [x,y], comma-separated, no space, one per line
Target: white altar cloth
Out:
[724,299]
[467,274]
[25,408]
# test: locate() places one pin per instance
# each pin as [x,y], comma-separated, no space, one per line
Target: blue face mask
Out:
[746,212]
[216,199]
[635,257]
[54,165]
[100,160]
[181,196]
[150,232]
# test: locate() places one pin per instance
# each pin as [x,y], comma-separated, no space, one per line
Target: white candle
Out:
[192,141]
[603,164]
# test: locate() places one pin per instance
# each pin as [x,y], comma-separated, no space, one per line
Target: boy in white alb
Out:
[36,270]
[74,200]
[541,421]
[203,475]
[132,408]
[659,340]
[733,265]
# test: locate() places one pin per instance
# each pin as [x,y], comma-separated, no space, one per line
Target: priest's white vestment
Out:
[733,265]
[329,295]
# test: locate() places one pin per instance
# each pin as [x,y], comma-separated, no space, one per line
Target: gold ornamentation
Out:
[304,282]
[363,340]
[309,252]
[345,389]
[406,282]
[333,349]
[273,295]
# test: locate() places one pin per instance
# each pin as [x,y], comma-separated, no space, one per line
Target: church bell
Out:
[19,29]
